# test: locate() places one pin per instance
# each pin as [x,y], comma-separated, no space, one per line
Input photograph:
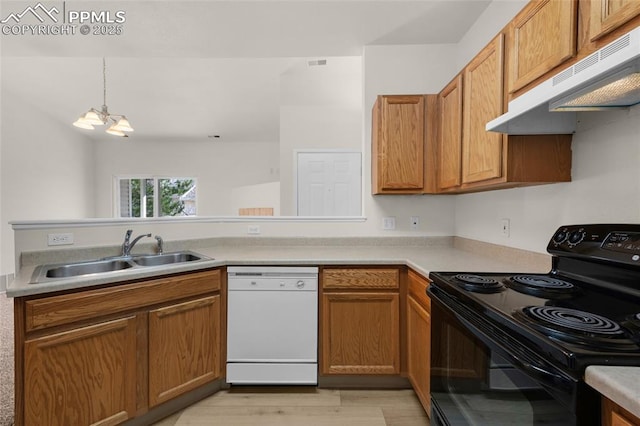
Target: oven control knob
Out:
[576,237]
[561,236]
[300,284]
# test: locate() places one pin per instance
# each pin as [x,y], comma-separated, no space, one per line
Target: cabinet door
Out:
[450,107]
[483,97]
[85,376]
[614,415]
[184,348]
[419,350]
[360,333]
[398,144]
[541,37]
[607,15]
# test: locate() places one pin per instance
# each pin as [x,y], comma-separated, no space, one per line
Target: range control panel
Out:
[614,242]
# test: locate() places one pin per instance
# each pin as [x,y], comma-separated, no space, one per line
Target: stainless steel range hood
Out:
[608,78]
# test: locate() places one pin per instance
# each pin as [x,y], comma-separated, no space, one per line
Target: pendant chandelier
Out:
[118,124]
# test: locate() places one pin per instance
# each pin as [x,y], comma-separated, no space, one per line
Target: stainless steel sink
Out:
[85,268]
[45,273]
[167,258]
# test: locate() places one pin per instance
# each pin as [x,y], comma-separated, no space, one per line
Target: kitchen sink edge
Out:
[24,286]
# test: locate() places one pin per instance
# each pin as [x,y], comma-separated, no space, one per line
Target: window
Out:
[156,196]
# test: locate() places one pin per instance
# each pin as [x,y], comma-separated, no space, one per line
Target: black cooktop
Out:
[586,310]
[572,322]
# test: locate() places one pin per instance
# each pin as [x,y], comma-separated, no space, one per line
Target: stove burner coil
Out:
[478,284]
[574,320]
[577,327]
[542,286]
[541,281]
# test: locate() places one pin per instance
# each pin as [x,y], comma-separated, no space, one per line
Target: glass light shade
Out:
[92,117]
[113,131]
[123,125]
[81,123]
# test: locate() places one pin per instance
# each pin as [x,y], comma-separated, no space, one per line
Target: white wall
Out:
[605,188]
[260,195]
[405,70]
[46,170]
[493,19]
[218,167]
[605,183]
[320,108]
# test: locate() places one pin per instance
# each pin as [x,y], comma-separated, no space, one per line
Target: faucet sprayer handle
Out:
[160,243]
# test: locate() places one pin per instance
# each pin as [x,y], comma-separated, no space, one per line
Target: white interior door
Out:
[329,184]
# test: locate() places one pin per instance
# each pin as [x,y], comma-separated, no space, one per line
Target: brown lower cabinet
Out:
[419,338]
[191,328]
[86,375]
[614,415]
[107,355]
[360,321]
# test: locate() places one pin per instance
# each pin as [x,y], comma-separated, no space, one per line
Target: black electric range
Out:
[524,340]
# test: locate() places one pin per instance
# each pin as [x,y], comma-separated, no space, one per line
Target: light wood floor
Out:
[303,407]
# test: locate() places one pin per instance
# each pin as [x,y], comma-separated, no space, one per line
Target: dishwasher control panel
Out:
[272,278]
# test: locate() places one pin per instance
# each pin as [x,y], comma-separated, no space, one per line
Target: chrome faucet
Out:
[127,246]
[160,243]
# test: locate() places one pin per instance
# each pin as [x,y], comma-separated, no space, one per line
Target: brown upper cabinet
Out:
[541,37]
[608,15]
[483,98]
[472,159]
[399,136]
[548,36]
[450,142]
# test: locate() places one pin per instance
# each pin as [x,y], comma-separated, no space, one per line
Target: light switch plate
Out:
[389,223]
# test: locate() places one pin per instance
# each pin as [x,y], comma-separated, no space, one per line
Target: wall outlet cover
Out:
[253,230]
[60,239]
[506,227]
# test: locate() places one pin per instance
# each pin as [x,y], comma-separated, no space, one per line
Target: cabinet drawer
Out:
[68,308]
[349,278]
[418,290]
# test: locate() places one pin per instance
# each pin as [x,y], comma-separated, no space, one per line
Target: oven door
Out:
[480,377]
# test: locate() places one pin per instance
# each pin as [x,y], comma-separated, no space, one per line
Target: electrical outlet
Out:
[389,223]
[414,222]
[253,230]
[506,227]
[60,239]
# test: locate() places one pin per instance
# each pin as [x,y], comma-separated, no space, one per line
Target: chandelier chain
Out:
[104,81]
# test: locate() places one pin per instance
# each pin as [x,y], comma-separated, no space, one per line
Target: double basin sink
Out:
[69,270]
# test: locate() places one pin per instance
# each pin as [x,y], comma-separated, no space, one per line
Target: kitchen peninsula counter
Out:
[424,255]
[620,384]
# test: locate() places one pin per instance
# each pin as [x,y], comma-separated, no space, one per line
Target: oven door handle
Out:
[538,371]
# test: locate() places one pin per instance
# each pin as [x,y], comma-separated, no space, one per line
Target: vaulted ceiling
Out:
[192,68]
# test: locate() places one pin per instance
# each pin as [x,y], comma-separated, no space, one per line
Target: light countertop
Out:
[437,254]
[620,384]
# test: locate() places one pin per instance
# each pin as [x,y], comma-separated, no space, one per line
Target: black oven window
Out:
[473,384]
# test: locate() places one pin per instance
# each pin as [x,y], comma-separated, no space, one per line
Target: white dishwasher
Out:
[272,325]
